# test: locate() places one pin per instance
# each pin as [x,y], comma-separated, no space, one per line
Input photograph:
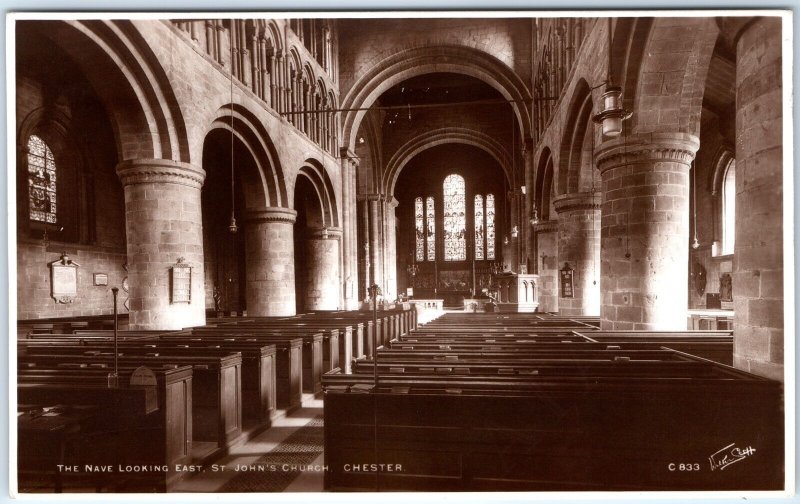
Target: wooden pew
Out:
[288,363]
[321,345]
[123,430]
[258,367]
[713,345]
[568,431]
[216,391]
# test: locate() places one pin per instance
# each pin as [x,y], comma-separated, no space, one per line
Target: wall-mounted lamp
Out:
[514,232]
[613,114]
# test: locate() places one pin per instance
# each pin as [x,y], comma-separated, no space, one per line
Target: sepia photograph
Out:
[429,252]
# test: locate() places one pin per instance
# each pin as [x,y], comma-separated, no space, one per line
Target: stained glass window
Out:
[430,222]
[41,181]
[455,243]
[419,225]
[480,231]
[490,231]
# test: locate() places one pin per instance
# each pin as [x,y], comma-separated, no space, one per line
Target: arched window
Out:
[419,225]
[41,181]
[729,208]
[490,230]
[455,243]
[430,222]
[480,230]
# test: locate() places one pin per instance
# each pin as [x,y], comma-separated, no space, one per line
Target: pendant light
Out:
[613,113]
[695,242]
[232,227]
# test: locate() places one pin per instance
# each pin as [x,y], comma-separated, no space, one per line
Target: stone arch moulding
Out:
[316,174]
[419,61]
[544,178]
[571,153]
[676,104]
[144,112]
[267,187]
[443,136]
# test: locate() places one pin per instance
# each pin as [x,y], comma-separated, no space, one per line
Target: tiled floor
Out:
[211,481]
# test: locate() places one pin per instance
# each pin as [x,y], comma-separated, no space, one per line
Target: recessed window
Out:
[729,208]
[455,219]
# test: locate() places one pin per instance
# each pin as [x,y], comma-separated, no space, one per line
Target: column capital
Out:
[347,155]
[371,197]
[646,148]
[149,171]
[578,201]
[549,226]
[329,233]
[270,214]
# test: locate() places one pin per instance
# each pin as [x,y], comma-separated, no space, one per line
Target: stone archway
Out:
[418,61]
[317,241]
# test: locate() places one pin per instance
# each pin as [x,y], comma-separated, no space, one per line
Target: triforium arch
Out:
[145,116]
[418,61]
[265,187]
[441,136]
[317,241]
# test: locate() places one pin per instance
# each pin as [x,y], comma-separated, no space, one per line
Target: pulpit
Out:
[517,292]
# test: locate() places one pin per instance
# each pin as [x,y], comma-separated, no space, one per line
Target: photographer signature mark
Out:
[729,455]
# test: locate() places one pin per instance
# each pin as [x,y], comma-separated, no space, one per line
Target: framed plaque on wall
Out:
[181,282]
[64,279]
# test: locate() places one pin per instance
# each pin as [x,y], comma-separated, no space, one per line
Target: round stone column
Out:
[546,236]
[163,223]
[322,291]
[758,329]
[269,252]
[644,251]
[579,246]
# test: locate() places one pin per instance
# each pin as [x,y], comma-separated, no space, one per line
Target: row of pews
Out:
[182,398]
[515,402]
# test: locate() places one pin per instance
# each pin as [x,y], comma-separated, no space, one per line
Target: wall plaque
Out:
[101,279]
[64,279]
[181,282]
[567,284]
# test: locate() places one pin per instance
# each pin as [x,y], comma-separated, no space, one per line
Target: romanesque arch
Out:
[131,83]
[418,61]
[438,137]
[265,187]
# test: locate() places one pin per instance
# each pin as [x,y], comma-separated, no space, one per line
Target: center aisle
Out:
[285,458]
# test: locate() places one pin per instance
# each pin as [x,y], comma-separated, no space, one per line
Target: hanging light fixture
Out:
[534,215]
[695,242]
[232,227]
[613,113]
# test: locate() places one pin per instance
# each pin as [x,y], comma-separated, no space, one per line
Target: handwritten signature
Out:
[729,455]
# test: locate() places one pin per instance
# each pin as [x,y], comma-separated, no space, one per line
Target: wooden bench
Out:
[288,362]
[216,391]
[122,429]
[558,432]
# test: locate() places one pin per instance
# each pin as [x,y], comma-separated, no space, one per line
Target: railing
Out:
[250,51]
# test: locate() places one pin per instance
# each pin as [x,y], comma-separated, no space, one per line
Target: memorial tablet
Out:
[181,282]
[64,279]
